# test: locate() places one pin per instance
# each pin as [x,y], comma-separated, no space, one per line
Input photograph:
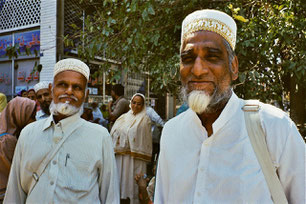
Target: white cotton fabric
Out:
[223,168]
[71,64]
[41,85]
[89,175]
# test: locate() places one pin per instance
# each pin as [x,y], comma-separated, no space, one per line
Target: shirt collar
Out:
[229,111]
[67,125]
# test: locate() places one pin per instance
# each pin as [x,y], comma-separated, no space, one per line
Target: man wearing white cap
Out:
[44,98]
[208,153]
[63,158]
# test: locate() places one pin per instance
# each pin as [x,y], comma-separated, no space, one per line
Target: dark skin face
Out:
[31,95]
[24,94]
[70,83]
[137,104]
[204,66]
[44,99]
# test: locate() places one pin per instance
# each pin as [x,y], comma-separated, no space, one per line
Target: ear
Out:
[235,68]
[50,88]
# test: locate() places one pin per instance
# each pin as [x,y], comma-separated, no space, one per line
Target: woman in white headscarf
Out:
[132,142]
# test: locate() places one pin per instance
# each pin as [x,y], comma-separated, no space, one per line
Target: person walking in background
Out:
[208,153]
[132,141]
[18,113]
[3,102]
[44,98]
[118,106]
[63,158]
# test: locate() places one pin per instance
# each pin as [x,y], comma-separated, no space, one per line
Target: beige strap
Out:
[258,141]
[47,160]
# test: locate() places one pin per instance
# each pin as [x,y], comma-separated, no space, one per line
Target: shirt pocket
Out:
[78,177]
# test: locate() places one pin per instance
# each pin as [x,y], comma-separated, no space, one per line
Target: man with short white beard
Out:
[63,158]
[206,153]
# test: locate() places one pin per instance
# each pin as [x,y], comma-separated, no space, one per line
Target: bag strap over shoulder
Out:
[36,175]
[258,141]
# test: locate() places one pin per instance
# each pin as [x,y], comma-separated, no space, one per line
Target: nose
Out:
[69,90]
[199,67]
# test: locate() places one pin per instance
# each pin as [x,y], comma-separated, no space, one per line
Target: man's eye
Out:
[187,59]
[212,57]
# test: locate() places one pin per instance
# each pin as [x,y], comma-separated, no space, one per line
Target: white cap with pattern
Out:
[41,85]
[210,20]
[72,65]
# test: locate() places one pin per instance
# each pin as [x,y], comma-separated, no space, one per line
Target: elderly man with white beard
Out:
[208,153]
[63,158]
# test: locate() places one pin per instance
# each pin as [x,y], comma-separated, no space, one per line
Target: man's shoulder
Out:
[123,100]
[95,129]
[32,130]
[272,111]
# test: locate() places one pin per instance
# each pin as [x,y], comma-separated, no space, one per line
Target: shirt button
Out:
[198,194]
[54,162]
[51,183]
[201,169]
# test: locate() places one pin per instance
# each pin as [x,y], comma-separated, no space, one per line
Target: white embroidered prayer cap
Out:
[41,85]
[71,64]
[210,20]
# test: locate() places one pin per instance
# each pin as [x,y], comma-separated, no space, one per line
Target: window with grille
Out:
[19,13]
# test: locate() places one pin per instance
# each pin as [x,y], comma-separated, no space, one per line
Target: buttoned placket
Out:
[54,167]
[202,171]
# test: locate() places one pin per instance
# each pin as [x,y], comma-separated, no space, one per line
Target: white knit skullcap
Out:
[41,85]
[210,20]
[72,65]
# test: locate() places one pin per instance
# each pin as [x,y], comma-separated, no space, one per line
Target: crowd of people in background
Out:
[209,153]
[131,125]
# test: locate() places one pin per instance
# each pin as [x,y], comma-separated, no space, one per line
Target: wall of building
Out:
[48,33]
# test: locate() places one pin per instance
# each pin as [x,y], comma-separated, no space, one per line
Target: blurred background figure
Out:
[118,106]
[3,102]
[132,140]
[31,94]
[22,93]
[157,125]
[18,113]
[146,186]
[44,99]
[104,111]
[97,115]
[87,114]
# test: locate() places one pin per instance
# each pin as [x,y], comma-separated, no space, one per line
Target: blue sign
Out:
[26,40]
[30,40]
[5,41]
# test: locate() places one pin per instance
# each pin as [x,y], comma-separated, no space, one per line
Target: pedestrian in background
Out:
[118,106]
[132,141]
[63,158]
[18,113]
[3,102]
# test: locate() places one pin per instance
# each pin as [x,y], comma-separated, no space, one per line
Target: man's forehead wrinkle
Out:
[211,47]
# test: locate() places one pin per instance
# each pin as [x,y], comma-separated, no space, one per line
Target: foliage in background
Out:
[145,36]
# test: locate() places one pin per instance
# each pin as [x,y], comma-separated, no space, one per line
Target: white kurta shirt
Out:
[82,171]
[223,168]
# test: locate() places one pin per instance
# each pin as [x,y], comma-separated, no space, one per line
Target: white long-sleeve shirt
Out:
[223,168]
[82,171]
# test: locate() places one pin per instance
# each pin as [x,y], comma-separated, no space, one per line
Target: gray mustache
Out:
[66,96]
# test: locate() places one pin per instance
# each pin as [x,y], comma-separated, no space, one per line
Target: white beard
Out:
[198,101]
[65,109]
